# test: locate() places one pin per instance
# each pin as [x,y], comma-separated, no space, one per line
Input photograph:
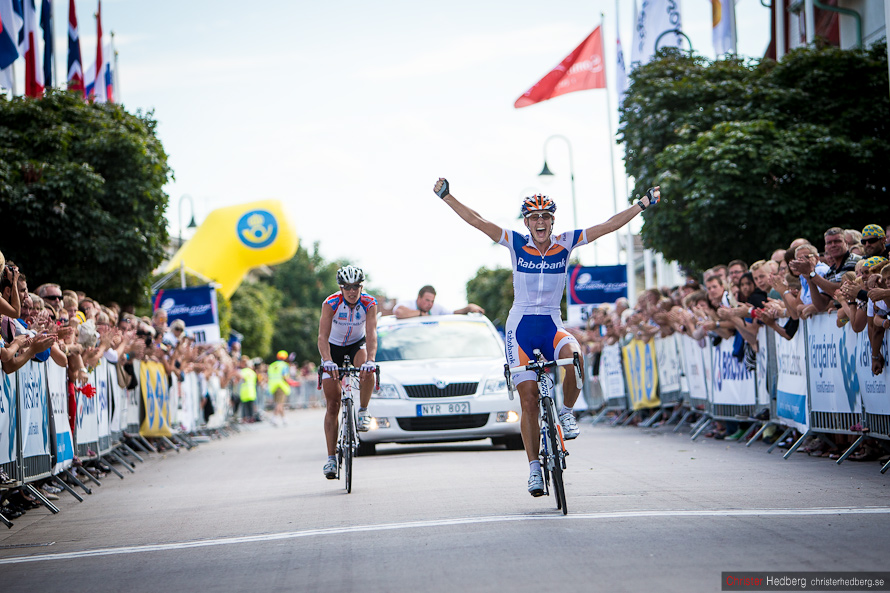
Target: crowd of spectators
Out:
[849,277]
[77,332]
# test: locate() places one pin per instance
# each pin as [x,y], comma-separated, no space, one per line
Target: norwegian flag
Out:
[75,64]
[99,78]
[33,64]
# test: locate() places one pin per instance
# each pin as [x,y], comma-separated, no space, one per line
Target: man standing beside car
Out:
[426,305]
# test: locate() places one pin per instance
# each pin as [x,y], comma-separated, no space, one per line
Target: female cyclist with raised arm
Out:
[539,277]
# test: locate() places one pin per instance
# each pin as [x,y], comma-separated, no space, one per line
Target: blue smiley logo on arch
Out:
[257,229]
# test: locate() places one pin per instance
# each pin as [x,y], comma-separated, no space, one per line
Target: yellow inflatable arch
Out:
[235,239]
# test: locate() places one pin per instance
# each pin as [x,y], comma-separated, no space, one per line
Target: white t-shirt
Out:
[436,309]
[876,308]
[805,297]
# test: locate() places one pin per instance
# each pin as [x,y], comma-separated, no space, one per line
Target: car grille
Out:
[450,390]
[443,422]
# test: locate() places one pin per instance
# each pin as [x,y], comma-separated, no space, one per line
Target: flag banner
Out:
[582,69]
[11,22]
[103,92]
[155,400]
[620,70]
[654,18]
[195,306]
[723,17]
[46,25]
[33,65]
[589,286]
[641,374]
[75,63]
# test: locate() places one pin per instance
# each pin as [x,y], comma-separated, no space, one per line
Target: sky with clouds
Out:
[349,111]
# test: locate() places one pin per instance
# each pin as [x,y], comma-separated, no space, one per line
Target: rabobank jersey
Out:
[539,280]
[348,324]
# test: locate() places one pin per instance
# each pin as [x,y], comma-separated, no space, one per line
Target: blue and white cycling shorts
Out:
[527,333]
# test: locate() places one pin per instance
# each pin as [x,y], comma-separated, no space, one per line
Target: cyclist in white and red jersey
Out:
[539,277]
[348,327]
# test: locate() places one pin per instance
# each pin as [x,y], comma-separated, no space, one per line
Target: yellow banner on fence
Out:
[641,373]
[155,400]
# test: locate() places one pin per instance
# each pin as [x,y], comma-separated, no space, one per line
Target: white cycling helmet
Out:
[350,275]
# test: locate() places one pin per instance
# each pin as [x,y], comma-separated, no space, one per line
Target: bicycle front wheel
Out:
[349,443]
[555,461]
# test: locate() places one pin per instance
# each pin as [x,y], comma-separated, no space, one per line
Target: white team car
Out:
[441,379]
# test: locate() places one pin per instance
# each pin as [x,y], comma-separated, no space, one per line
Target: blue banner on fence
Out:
[588,286]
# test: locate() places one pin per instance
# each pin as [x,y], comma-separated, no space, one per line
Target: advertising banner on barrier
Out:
[791,389]
[611,373]
[155,400]
[100,374]
[220,402]
[668,364]
[87,419]
[8,426]
[874,389]
[641,374]
[587,287]
[732,383]
[57,384]
[831,357]
[196,307]
[134,400]
[694,353]
[762,388]
[118,399]
[35,412]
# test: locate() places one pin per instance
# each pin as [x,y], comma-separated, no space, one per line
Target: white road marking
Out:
[270,537]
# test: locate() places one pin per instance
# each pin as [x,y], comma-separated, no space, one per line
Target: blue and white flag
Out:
[724,26]
[12,20]
[46,24]
[652,24]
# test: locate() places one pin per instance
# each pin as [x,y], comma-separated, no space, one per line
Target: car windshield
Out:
[435,339]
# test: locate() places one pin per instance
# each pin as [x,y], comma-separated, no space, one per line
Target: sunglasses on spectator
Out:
[350,286]
[52,297]
[177,329]
[871,240]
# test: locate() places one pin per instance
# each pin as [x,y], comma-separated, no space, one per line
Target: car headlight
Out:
[495,386]
[387,391]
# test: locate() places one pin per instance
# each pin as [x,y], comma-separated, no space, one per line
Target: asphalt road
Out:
[649,510]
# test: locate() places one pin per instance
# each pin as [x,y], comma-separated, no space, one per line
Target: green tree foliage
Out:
[81,193]
[493,291]
[255,308]
[751,155]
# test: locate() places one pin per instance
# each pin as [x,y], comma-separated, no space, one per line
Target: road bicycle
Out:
[553,451]
[347,442]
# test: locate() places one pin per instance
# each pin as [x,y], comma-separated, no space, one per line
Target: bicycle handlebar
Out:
[349,369]
[547,364]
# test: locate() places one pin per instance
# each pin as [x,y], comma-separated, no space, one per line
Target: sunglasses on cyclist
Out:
[350,286]
[546,216]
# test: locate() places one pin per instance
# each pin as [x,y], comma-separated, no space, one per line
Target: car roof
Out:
[388,320]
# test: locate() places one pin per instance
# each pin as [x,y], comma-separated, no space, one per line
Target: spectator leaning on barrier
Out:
[425,304]
[806,264]
[878,308]
[841,261]
[736,268]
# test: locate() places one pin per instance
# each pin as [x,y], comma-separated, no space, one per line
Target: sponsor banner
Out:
[155,400]
[100,382]
[762,373]
[134,402]
[668,364]
[196,307]
[34,407]
[874,389]
[8,420]
[732,383]
[118,399]
[641,374]
[86,425]
[694,354]
[611,373]
[831,359]
[57,384]
[589,286]
[220,398]
[791,388]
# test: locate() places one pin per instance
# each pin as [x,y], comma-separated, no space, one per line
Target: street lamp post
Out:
[545,172]
[191,225]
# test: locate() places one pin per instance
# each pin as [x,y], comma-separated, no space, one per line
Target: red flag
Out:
[582,69]
[33,64]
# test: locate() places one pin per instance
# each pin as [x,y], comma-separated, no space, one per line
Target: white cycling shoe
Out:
[330,469]
[536,484]
[570,428]
[364,421]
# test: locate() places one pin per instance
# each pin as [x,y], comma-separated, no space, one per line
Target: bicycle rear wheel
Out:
[348,444]
[555,446]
